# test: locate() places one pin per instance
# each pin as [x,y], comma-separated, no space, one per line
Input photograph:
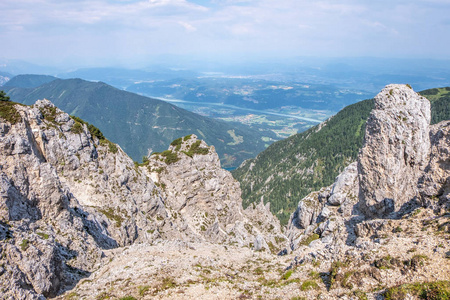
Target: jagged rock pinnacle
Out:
[395,152]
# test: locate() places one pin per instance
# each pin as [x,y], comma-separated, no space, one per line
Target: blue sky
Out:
[130,32]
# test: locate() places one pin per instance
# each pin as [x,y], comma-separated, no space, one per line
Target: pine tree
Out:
[3,96]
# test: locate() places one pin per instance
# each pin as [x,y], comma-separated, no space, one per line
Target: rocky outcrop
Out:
[73,205]
[395,151]
[397,169]
[204,199]
[345,186]
[434,184]
[68,195]
[324,215]
[204,196]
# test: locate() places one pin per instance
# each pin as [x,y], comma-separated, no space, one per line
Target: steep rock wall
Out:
[395,151]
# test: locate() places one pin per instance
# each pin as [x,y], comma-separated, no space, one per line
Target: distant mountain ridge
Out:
[140,123]
[4,77]
[29,80]
[290,169]
[122,78]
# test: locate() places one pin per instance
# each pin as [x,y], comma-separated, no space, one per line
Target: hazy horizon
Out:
[134,33]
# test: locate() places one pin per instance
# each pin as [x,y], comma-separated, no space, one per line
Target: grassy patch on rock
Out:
[438,290]
[9,113]
[110,214]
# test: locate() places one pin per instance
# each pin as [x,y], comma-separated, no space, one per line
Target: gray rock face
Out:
[434,185]
[344,185]
[63,201]
[204,199]
[326,213]
[260,243]
[395,152]
[197,188]
[66,196]
[41,265]
[68,199]
[307,212]
[371,227]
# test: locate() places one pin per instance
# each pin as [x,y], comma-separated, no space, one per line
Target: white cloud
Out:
[187,26]
[323,27]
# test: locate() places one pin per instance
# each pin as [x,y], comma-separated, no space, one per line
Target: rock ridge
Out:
[68,195]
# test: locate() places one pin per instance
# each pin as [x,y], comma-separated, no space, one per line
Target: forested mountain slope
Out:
[290,169]
[138,123]
[29,81]
[440,100]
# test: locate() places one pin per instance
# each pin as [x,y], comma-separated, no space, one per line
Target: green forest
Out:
[440,100]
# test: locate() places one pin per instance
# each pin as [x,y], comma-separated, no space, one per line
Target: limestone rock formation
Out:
[204,199]
[68,195]
[382,209]
[344,185]
[323,215]
[80,220]
[395,151]
[434,185]
[394,169]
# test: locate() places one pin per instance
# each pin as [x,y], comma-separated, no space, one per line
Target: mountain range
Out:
[136,122]
[123,78]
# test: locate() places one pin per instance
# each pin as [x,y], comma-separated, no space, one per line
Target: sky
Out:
[130,32]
